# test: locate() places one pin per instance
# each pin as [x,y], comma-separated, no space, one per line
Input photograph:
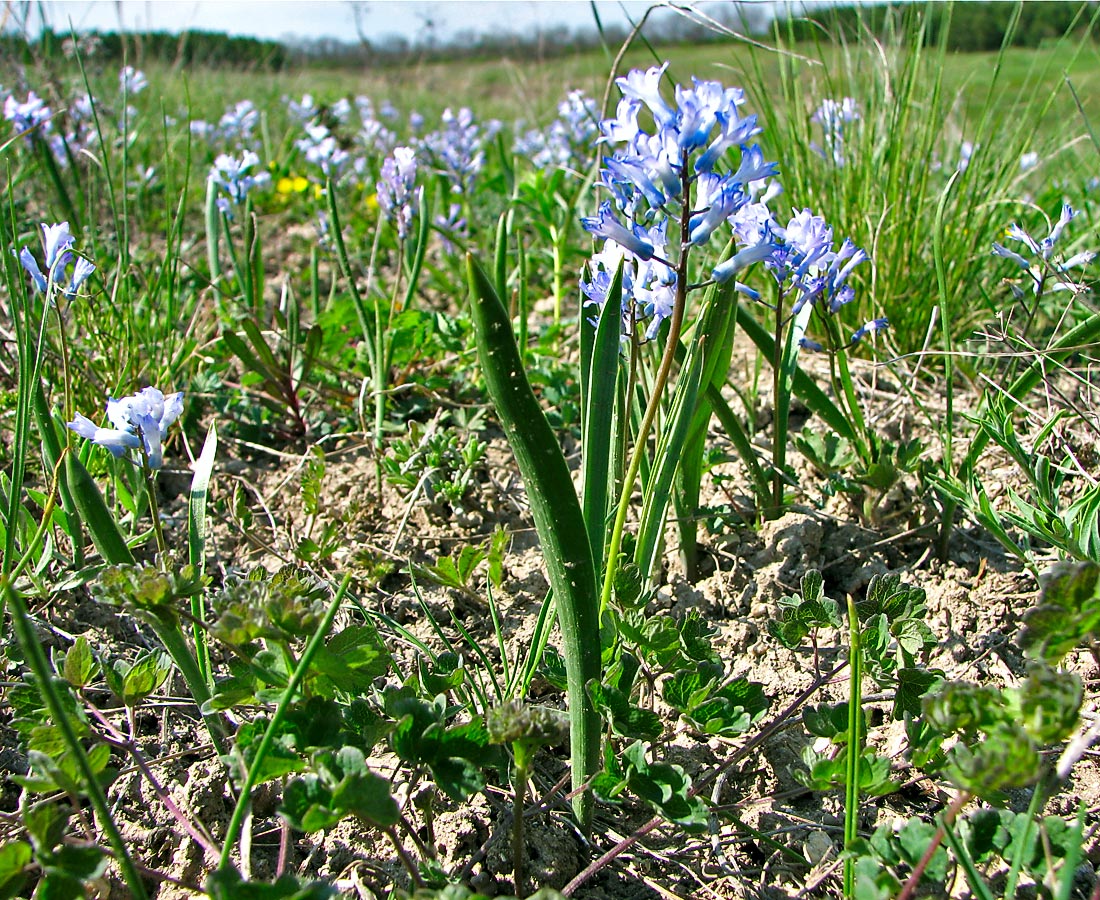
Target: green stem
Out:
[519,850]
[172,638]
[154,508]
[237,819]
[39,665]
[855,748]
[779,446]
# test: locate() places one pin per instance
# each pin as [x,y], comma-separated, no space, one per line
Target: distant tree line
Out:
[971,26]
[208,48]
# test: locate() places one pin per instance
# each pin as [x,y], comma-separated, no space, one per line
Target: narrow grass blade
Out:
[93,510]
[599,393]
[196,541]
[803,387]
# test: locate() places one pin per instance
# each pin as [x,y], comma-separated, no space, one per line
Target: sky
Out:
[308,19]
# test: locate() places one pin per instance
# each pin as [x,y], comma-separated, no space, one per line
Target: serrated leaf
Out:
[626,720]
[79,663]
[144,677]
[353,659]
[830,720]
[457,778]
[912,685]
[914,838]
[307,804]
[368,796]
[687,688]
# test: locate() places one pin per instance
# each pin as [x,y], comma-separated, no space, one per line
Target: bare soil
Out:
[976,597]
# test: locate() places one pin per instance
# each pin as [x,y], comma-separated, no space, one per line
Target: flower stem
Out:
[154,509]
[778,409]
[676,323]
[519,851]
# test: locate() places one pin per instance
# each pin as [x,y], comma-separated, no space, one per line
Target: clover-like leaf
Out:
[626,719]
[1068,613]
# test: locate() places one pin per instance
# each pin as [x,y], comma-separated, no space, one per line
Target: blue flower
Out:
[397,189]
[733,131]
[607,225]
[833,116]
[742,259]
[806,259]
[28,115]
[1001,250]
[131,80]
[82,269]
[57,241]
[140,419]
[646,87]
[869,328]
[236,178]
[26,258]
[114,439]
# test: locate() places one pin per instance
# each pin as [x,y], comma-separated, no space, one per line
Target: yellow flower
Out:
[372,202]
[293,184]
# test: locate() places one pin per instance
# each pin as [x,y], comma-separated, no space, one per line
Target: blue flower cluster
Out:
[651,177]
[397,194]
[833,116]
[457,148]
[139,420]
[1042,252]
[57,242]
[235,178]
[567,142]
[677,172]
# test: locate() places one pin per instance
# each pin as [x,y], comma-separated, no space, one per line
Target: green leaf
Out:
[830,720]
[84,863]
[626,719]
[353,659]
[59,885]
[913,839]
[227,884]
[15,856]
[912,685]
[986,832]
[457,778]
[280,758]
[46,824]
[688,688]
[665,787]
[560,524]
[1049,704]
[307,804]
[93,510]
[1068,613]
[144,677]
[367,795]
[79,663]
